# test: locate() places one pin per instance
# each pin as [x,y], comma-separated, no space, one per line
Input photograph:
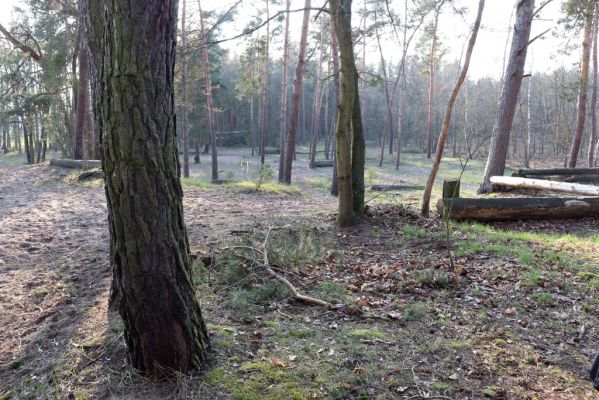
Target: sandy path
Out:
[54,264]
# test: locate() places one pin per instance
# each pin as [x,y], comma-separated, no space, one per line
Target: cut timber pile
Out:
[322,163]
[387,188]
[75,164]
[526,183]
[580,175]
[502,209]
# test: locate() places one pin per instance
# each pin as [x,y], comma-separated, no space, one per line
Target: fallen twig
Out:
[292,289]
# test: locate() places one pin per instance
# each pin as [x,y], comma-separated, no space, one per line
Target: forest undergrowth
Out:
[515,317]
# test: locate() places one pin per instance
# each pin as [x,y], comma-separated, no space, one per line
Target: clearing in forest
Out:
[515,317]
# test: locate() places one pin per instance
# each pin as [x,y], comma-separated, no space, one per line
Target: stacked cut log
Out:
[75,164]
[576,175]
[513,209]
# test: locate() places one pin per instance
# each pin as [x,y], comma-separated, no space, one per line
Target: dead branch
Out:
[292,289]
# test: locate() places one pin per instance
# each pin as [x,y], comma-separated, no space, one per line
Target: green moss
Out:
[372,333]
[258,380]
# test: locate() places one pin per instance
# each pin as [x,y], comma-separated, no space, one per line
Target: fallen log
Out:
[387,188]
[582,178]
[555,171]
[513,209]
[75,164]
[525,183]
[322,163]
[90,175]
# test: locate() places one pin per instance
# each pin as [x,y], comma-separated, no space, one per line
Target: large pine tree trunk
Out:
[448,112]
[297,94]
[582,90]
[152,278]
[509,94]
[283,108]
[341,14]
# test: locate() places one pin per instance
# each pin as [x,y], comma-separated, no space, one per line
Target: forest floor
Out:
[515,317]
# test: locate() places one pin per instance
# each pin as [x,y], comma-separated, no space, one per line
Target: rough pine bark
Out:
[297,94]
[341,14]
[508,100]
[152,283]
[426,198]
[582,90]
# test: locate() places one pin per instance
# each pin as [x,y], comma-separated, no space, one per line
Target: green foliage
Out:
[265,174]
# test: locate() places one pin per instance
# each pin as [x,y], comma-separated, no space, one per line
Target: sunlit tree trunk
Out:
[508,100]
[582,90]
[152,283]
[341,14]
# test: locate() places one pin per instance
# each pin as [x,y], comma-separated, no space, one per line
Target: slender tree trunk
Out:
[509,94]
[252,126]
[358,156]
[431,85]
[528,125]
[297,94]
[152,277]
[28,144]
[389,116]
[82,101]
[184,82]
[44,144]
[448,112]
[265,81]
[337,104]
[593,139]
[208,84]
[283,109]
[317,100]
[582,90]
